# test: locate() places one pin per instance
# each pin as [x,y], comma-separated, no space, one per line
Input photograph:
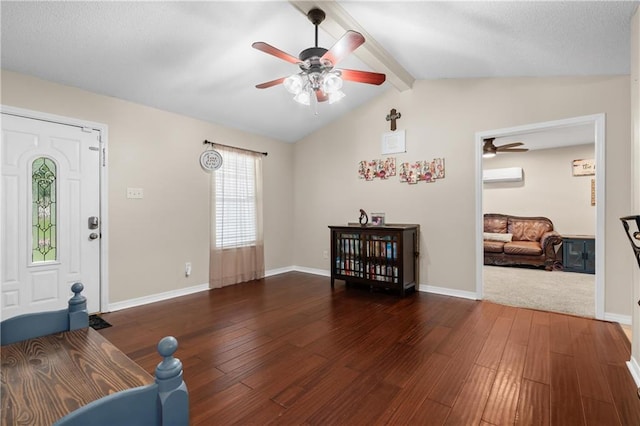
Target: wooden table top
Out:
[46,378]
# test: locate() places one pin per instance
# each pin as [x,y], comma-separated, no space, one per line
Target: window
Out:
[236,201]
[43,210]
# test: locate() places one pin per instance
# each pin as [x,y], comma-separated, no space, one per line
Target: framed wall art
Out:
[393,142]
[584,167]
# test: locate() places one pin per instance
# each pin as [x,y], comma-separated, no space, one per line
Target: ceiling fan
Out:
[490,150]
[318,79]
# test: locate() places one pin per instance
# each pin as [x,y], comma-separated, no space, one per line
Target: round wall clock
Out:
[211,160]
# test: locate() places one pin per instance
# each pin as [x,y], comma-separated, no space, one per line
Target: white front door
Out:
[50,224]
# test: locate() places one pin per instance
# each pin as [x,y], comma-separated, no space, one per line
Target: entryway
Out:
[596,124]
[52,211]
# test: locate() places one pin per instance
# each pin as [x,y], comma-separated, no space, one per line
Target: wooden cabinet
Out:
[579,253]
[378,256]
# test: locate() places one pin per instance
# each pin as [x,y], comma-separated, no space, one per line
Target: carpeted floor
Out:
[555,291]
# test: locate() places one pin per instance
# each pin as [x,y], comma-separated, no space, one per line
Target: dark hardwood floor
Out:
[288,350]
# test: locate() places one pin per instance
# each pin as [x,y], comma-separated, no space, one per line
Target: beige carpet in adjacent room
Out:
[555,291]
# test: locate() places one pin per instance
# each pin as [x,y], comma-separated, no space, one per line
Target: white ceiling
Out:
[195,58]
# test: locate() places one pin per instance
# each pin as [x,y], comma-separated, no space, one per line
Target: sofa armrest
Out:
[548,243]
[550,239]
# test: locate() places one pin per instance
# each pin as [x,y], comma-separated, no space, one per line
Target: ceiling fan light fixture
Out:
[293,84]
[488,154]
[331,83]
[319,80]
[336,96]
[303,98]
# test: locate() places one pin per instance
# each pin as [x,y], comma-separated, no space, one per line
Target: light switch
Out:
[135,193]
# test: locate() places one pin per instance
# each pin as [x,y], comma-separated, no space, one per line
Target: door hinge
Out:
[104,157]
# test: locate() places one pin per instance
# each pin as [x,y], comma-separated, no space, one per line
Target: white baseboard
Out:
[622,319]
[448,292]
[634,368]
[157,297]
[314,271]
[278,271]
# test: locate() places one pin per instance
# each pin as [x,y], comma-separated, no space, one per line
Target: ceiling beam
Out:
[338,21]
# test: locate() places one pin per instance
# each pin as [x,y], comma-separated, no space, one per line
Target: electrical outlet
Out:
[187,269]
[325,254]
[135,193]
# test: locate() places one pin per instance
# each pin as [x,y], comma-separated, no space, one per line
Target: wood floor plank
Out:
[559,334]
[317,394]
[223,399]
[472,399]
[494,346]
[429,413]
[609,346]
[537,364]
[533,405]
[280,374]
[288,349]
[599,413]
[455,374]
[521,327]
[502,404]
[402,408]
[565,400]
[591,374]
[625,397]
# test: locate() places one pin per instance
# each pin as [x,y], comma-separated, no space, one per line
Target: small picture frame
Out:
[583,167]
[377,219]
[393,142]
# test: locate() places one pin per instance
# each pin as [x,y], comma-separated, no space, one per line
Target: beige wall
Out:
[549,188]
[314,183]
[441,118]
[151,239]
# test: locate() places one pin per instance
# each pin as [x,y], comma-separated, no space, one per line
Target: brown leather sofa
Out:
[514,240]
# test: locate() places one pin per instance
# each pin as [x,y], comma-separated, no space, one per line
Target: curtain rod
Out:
[235,147]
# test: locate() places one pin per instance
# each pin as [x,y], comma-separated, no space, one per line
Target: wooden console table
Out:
[46,378]
[377,256]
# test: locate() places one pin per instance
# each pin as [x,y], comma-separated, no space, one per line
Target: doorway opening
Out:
[597,123]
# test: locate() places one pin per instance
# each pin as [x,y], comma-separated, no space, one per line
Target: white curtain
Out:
[237,245]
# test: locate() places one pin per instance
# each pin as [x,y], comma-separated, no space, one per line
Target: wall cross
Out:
[392,117]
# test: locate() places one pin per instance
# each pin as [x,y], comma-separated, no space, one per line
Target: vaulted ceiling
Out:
[196,59]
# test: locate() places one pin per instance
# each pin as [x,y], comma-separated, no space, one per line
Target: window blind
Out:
[236,201]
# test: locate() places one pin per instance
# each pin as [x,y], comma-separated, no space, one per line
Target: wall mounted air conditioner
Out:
[509,174]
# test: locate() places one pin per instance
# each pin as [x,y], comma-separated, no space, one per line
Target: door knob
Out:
[93,236]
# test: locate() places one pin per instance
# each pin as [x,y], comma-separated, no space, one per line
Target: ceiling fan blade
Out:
[513,150]
[363,76]
[349,42]
[509,145]
[267,48]
[270,83]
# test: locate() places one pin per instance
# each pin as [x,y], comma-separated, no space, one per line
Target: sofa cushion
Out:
[529,248]
[528,229]
[497,236]
[493,246]
[495,223]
